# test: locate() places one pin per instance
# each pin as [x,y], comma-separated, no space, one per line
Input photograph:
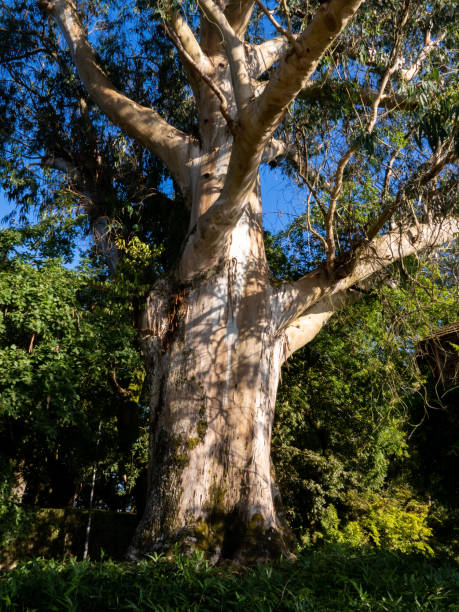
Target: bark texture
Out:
[215,358]
[217,330]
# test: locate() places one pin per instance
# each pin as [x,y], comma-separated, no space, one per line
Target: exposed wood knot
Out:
[173,318]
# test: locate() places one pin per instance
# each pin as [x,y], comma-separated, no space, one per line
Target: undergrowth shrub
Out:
[333,578]
[392,523]
[12,514]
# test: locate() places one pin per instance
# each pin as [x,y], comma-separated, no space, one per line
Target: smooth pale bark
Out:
[258,121]
[215,359]
[261,58]
[217,330]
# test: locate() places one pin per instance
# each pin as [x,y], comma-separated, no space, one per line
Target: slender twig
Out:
[287,33]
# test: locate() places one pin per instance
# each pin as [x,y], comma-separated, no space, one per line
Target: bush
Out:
[392,523]
[12,514]
[59,533]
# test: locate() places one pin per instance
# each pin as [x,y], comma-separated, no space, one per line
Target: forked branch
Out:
[259,118]
[296,299]
[234,50]
[144,124]
[205,77]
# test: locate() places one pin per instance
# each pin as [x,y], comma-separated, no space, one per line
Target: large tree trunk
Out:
[214,361]
[214,340]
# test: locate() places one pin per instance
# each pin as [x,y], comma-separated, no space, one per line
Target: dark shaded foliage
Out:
[331,579]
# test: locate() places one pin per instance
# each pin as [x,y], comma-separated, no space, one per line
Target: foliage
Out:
[11,511]
[334,578]
[385,522]
[60,533]
[65,337]
[337,401]
[61,157]
[343,432]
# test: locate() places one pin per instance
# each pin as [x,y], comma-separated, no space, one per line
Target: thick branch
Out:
[234,51]
[63,165]
[305,328]
[142,123]
[205,77]
[261,58]
[264,114]
[102,226]
[297,65]
[278,148]
[238,13]
[187,39]
[297,298]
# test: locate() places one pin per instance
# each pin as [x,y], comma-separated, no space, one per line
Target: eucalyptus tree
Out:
[355,99]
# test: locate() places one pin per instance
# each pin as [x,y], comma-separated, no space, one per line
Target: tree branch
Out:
[377,60]
[297,65]
[144,124]
[238,13]
[101,225]
[316,91]
[306,327]
[205,77]
[408,74]
[278,148]
[234,51]
[261,58]
[338,184]
[187,39]
[286,33]
[295,299]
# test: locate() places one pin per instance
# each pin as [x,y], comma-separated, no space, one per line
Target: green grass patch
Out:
[333,578]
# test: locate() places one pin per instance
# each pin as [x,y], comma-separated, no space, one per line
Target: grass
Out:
[332,578]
